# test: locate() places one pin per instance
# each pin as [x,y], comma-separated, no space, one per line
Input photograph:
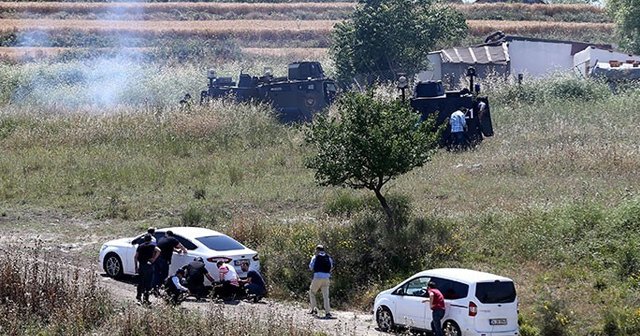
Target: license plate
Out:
[502,321]
[239,262]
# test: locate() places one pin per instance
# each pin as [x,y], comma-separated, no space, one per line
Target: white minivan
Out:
[476,303]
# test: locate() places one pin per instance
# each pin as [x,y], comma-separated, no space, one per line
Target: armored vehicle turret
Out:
[297,97]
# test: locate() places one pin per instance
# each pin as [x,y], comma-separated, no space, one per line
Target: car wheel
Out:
[384,318]
[112,265]
[450,328]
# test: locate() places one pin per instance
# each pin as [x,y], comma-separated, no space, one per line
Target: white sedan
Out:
[117,256]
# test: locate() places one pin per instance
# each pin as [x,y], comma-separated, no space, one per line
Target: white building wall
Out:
[434,72]
[537,59]
[585,60]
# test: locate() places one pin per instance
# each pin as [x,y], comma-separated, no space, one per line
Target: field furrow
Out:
[230,26]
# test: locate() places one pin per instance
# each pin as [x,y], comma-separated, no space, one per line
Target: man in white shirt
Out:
[458,124]
[175,288]
[229,279]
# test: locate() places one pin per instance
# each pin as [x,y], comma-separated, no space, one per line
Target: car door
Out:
[410,310]
[128,256]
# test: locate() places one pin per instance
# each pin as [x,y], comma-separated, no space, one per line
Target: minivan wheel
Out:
[384,318]
[450,328]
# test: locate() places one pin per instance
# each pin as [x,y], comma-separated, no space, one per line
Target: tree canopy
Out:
[368,142]
[381,38]
[626,14]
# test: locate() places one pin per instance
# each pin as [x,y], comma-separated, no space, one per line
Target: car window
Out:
[186,243]
[451,290]
[220,243]
[417,287]
[137,240]
[496,292]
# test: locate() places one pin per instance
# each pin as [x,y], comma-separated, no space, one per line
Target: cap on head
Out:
[244,263]
[147,237]
[169,233]
[198,259]
[219,263]
[431,284]
[151,230]
[319,247]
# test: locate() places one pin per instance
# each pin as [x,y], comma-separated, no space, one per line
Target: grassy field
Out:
[550,201]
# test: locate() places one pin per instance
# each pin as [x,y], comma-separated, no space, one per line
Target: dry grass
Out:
[272,27]
[206,7]
[546,9]
[280,52]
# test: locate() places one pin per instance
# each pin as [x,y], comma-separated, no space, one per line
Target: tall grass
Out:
[40,296]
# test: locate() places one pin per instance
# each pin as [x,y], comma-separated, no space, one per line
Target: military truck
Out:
[297,97]
[430,97]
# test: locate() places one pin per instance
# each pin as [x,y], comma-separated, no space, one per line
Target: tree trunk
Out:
[385,207]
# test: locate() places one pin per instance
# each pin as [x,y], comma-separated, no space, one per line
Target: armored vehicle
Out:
[430,97]
[296,97]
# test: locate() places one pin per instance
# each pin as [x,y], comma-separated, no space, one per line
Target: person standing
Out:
[146,255]
[436,302]
[195,272]
[322,265]
[458,123]
[167,245]
[254,283]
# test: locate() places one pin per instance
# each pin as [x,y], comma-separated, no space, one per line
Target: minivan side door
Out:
[455,293]
[410,310]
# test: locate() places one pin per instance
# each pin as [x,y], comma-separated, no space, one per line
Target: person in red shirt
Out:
[436,301]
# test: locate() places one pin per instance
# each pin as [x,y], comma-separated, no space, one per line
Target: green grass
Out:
[550,201]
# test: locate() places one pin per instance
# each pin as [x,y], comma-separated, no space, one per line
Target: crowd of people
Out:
[153,259]
[152,263]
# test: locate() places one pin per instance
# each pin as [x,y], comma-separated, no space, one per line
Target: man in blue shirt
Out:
[458,123]
[322,265]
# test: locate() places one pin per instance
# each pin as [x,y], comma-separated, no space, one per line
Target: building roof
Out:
[485,54]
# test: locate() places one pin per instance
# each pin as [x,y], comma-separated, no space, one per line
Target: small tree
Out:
[381,38]
[369,142]
[626,14]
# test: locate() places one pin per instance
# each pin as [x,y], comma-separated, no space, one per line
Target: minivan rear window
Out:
[496,292]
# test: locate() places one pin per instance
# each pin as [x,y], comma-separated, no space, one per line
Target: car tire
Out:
[450,328]
[384,318]
[112,265]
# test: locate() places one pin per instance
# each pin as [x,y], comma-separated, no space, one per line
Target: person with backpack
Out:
[322,265]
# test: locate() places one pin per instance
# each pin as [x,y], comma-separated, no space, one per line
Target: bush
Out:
[48,296]
[553,317]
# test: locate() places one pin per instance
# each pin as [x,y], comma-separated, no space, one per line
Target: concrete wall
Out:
[537,59]
[585,60]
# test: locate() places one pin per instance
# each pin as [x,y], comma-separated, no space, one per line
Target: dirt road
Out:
[343,323]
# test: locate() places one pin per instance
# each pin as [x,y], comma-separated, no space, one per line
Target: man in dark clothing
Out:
[195,272]
[254,283]
[146,255]
[167,245]
[174,287]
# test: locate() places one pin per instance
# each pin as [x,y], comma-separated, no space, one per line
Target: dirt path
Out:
[343,323]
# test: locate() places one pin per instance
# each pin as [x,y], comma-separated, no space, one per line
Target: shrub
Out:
[553,317]
[47,296]
[629,262]
[343,204]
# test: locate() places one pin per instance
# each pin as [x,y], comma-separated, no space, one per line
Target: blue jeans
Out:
[436,322]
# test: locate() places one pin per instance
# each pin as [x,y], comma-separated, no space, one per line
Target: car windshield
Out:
[496,292]
[220,243]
